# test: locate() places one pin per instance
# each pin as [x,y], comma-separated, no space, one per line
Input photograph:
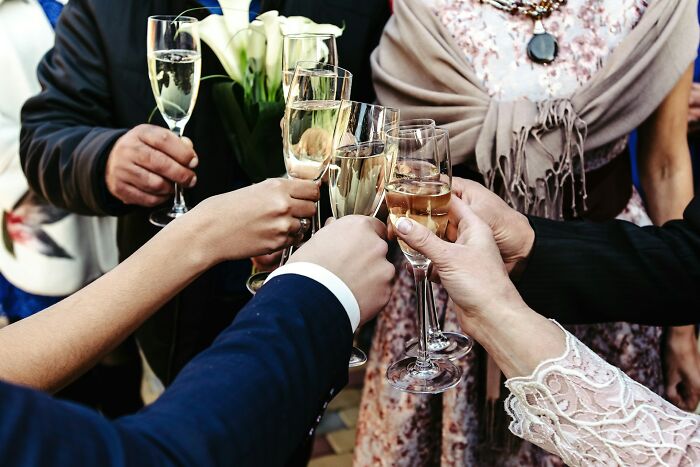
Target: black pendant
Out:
[543,47]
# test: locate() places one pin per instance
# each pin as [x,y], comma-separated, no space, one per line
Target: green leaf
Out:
[253,131]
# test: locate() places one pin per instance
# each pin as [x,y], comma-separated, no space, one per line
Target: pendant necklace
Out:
[542,47]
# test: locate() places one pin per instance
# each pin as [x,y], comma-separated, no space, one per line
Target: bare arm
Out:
[664,158]
[51,348]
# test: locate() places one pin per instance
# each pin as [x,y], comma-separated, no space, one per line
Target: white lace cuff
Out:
[590,413]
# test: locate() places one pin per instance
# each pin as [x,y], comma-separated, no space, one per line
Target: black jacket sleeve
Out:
[67,129]
[249,400]
[583,272]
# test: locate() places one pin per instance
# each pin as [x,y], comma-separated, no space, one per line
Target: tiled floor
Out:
[335,437]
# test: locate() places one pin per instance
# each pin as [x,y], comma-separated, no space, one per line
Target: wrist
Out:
[527,235]
[194,239]
[498,313]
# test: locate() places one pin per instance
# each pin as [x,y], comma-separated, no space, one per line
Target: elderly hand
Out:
[145,163]
[471,269]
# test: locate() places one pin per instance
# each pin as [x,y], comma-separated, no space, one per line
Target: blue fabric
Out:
[52,8]
[214,7]
[17,304]
[249,400]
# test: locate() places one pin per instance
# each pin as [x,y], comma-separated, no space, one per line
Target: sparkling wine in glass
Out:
[310,117]
[419,188]
[306,47]
[357,171]
[452,345]
[174,69]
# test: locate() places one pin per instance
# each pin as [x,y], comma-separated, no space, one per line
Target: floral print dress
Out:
[458,427]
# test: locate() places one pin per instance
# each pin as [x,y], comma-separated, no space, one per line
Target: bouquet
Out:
[251,104]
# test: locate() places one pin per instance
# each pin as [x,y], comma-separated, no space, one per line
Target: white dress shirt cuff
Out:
[329,280]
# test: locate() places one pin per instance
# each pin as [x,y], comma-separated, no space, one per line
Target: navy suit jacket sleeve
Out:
[249,400]
[581,272]
[67,129]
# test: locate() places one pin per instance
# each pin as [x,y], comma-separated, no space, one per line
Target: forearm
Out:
[588,412]
[668,186]
[51,348]
[517,338]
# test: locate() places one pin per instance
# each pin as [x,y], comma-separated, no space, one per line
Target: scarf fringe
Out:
[544,196]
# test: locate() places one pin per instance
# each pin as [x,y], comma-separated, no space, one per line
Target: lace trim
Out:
[590,413]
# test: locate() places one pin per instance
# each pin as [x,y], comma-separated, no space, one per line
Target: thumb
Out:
[421,239]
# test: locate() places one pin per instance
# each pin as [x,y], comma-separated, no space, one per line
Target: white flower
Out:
[214,32]
[273,57]
[301,25]
[244,48]
[256,46]
[236,14]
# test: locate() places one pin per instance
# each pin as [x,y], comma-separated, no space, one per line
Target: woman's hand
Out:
[491,310]
[253,221]
[682,365]
[471,269]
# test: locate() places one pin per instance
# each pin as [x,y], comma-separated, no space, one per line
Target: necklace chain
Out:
[536,9]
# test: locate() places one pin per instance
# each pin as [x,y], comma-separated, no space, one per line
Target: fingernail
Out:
[194,163]
[193,182]
[404,225]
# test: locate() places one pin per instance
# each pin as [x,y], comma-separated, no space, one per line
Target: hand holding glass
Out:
[174,68]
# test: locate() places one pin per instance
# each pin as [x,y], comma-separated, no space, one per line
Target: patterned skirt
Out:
[458,427]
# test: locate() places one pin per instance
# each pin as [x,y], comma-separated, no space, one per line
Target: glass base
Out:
[357,358]
[163,217]
[450,345]
[437,376]
[256,281]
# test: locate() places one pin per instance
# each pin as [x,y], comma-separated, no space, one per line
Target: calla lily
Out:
[214,32]
[236,14]
[273,57]
[256,46]
[251,53]
[301,25]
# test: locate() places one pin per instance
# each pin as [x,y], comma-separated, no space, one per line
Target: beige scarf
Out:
[527,150]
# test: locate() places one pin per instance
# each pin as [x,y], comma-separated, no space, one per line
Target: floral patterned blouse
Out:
[495,42]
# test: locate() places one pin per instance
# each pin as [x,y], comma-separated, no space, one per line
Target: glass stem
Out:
[316,221]
[420,274]
[433,323]
[179,205]
[286,253]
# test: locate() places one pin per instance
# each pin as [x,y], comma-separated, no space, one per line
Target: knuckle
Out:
[282,207]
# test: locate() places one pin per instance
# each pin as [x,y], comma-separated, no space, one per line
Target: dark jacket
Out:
[249,400]
[581,272]
[95,87]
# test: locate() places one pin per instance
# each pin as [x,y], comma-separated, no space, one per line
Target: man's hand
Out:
[253,221]
[511,230]
[146,162]
[354,248]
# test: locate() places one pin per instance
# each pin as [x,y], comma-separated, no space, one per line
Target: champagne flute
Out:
[319,48]
[306,47]
[357,171]
[419,187]
[174,68]
[310,117]
[452,345]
